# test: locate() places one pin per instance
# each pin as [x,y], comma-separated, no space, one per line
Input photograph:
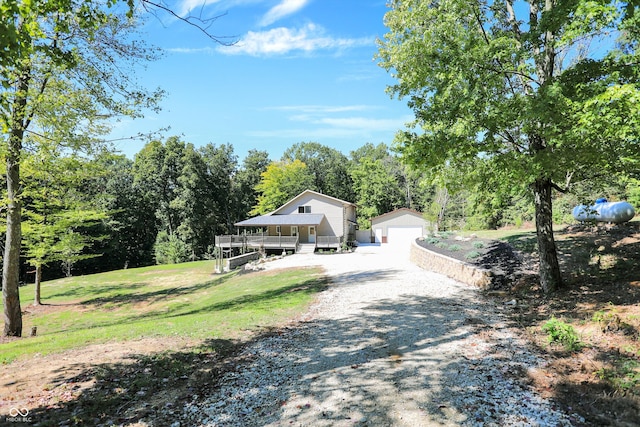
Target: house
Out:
[311,219]
[398,226]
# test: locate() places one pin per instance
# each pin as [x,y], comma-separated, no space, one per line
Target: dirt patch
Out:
[51,381]
[599,377]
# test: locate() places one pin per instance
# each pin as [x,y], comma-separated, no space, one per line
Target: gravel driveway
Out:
[388,344]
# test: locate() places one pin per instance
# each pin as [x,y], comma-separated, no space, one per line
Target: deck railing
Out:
[256,241]
[328,241]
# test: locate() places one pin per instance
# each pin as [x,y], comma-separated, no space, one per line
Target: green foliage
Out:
[624,376]
[531,119]
[563,333]
[280,182]
[472,255]
[442,245]
[169,249]
[377,191]
[478,245]
[328,166]
[454,247]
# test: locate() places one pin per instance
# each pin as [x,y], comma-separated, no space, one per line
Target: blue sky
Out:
[301,70]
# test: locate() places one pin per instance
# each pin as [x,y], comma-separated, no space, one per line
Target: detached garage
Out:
[400,226]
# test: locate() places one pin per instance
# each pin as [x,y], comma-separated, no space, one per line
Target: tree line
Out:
[90,214]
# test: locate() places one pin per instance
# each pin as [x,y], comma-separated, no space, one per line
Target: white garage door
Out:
[403,235]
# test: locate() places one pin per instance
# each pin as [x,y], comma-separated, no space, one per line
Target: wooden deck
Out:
[258,241]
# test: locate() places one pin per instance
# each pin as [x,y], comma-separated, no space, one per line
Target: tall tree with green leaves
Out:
[375,172]
[280,182]
[329,167]
[84,45]
[55,210]
[245,181]
[545,92]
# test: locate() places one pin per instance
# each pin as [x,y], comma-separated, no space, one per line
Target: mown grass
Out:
[183,300]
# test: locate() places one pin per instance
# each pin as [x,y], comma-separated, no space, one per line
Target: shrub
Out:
[432,240]
[455,248]
[472,255]
[446,234]
[478,245]
[170,249]
[563,333]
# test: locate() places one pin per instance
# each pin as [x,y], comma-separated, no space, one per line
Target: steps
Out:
[306,248]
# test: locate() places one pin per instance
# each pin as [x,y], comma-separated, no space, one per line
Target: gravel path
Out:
[388,344]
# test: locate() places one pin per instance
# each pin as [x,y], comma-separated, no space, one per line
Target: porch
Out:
[266,242]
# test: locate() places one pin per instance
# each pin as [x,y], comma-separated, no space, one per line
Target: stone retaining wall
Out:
[237,261]
[450,267]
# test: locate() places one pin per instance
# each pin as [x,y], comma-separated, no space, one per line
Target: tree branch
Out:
[202,24]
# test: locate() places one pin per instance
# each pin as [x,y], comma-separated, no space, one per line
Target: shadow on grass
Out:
[80,291]
[121,297]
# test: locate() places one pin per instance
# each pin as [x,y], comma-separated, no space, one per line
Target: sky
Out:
[299,71]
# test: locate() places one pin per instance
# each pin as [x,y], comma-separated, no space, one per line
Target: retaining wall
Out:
[450,267]
[237,261]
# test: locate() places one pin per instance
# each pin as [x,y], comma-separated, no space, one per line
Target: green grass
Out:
[183,300]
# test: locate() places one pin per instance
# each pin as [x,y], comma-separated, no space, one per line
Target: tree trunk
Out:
[11,265]
[13,238]
[36,298]
[549,269]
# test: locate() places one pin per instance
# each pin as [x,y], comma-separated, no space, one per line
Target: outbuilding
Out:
[399,226]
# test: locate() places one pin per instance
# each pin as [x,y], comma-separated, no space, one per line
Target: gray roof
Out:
[293,219]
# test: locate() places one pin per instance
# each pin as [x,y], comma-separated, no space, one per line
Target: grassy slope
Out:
[183,300]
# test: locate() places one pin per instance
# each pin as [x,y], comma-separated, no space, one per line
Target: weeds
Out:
[624,376]
[563,333]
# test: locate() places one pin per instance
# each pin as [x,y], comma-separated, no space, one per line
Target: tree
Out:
[245,182]
[280,182]
[81,44]
[375,181]
[539,91]
[329,167]
[54,210]
[221,167]
[131,225]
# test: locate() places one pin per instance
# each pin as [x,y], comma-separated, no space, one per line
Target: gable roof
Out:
[397,211]
[295,219]
[314,193]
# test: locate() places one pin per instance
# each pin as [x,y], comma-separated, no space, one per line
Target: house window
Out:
[294,230]
[304,209]
[278,229]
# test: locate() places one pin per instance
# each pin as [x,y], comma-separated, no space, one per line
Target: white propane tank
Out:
[603,211]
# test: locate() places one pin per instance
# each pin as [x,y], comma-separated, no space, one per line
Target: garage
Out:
[400,226]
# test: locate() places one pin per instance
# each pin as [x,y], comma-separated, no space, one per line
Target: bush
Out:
[478,245]
[455,248]
[563,333]
[169,249]
[472,255]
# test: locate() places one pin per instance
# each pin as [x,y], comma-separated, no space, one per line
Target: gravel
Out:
[388,344]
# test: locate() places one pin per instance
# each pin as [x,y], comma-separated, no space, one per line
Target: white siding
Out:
[332,210]
[399,219]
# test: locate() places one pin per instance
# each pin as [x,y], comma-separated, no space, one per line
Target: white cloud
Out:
[191,50]
[280,41]
[370,124]
[284,8]
[322,108]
